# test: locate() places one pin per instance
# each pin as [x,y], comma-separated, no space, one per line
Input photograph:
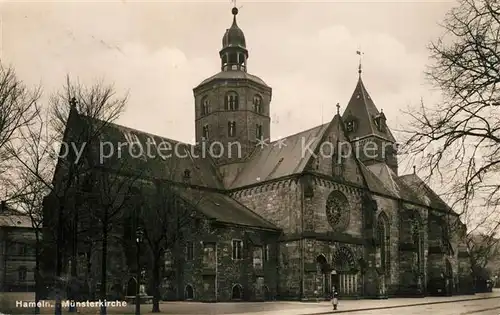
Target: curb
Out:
[401,306]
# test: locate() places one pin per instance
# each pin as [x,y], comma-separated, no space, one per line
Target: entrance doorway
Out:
[131,287]
[334,280]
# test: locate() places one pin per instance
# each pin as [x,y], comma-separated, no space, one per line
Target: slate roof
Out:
[424,193]
[223,208]
[161,163]
[233,75]
[273,161]
[362,107]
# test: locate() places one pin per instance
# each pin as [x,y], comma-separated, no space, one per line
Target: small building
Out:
[17,251]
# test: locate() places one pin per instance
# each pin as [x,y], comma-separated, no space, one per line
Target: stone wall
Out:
[278,202]
[212,282]
[245,117]
[315,218]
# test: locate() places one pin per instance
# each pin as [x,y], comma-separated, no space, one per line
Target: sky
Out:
[158,51]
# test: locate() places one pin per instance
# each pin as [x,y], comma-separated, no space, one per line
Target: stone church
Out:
[289,219]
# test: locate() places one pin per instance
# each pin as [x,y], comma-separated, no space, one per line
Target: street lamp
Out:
[139,234]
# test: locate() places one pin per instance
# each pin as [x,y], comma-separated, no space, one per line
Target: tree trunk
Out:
[37,271]
[156,282]
[72,309]
[104,260]
[59,250]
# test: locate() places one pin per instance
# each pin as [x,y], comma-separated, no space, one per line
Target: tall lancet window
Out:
[231,128]
[205,106]
[258,131]
[231,101]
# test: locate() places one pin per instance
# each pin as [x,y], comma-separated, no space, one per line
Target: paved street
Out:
[480,307]
[485,303]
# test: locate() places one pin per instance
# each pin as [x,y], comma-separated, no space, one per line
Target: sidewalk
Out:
[324,307]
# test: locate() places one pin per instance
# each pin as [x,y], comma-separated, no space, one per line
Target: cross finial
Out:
[338,108]
[414,169]
[72,102]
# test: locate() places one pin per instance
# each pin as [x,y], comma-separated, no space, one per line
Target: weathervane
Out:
[234,4]
[359,53]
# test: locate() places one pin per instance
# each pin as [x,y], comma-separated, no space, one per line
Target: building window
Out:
[205,106]
[350,126]
[257,103]
[337,211]
[257,257]
[205,132]
[23,249]
[258,131]
[189,251]
[231,101]
[237,249]
[22,272]
[209,259]
[231,128]
[266,252]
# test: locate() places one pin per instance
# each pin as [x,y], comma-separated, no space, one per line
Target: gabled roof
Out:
[223,208]
[167,159]
[425,193]
[362,108]
[274,161]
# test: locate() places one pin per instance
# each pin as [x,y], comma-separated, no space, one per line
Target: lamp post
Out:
[139,235]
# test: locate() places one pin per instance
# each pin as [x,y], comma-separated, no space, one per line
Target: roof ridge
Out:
[127,128]
[303,131]
[364,93]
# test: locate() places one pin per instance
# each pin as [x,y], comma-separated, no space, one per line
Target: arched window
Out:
[189,292]
[231,128]
[337,211]
[21,273]
[258,132]
[205,105]
[237,292]
[257,103]
[231,101]
[205,132]
[417,239]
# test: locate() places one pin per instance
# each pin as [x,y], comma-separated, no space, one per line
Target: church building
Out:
[292,218]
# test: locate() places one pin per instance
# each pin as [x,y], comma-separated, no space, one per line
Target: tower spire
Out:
[234,54]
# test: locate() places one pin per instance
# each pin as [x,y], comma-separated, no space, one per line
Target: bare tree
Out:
[483,248]
[73,121]
[458,141]
[18,109]
[165,218]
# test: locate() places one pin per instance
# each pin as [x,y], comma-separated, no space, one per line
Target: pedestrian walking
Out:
[335,298]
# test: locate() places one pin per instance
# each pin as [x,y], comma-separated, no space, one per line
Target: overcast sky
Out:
[158,51]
